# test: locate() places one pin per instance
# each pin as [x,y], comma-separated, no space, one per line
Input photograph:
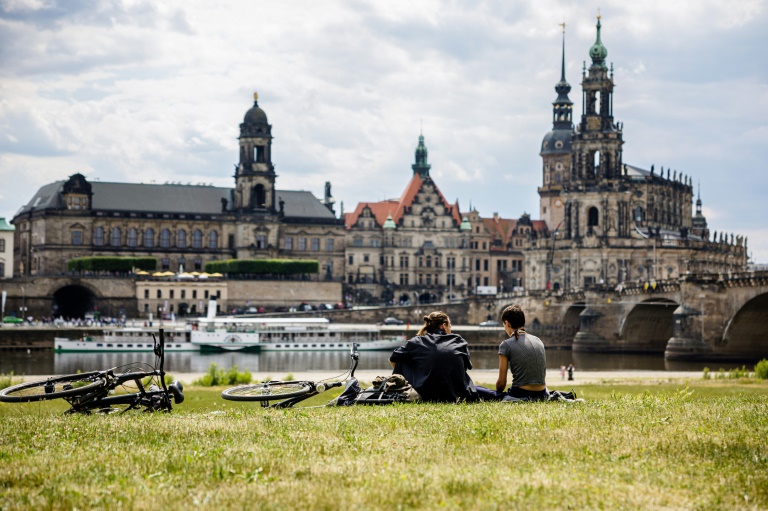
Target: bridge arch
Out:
[746,335]
[73,301]
[571,316]
[649,325]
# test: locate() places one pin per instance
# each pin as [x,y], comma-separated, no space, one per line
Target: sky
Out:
[143,91]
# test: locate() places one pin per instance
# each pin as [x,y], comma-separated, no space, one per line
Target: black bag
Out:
[387,390]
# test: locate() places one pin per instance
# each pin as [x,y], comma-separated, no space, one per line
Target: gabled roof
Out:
[397,208]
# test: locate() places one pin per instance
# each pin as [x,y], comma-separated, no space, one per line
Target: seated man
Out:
[524,355]
[435,362]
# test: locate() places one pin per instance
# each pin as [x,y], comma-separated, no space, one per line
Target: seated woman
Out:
[435,362]
[524,355]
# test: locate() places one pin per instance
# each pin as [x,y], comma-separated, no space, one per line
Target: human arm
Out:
[501,382]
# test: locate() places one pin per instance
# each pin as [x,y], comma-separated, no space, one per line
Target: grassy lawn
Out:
[654,446]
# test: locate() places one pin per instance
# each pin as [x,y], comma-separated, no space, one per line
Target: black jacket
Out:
[436,366]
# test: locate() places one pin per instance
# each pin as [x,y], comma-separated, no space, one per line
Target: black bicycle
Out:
[94,392]
[288,393]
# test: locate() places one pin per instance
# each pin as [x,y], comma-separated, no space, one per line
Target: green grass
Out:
[627,447]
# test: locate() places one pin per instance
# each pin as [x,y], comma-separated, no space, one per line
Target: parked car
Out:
[255,310]
[392,321]
[490,322]
[324,307]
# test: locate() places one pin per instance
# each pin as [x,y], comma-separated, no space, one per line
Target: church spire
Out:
[421,167]
[562,107]
[598,52]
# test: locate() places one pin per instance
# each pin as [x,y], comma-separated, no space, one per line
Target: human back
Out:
[527,360]
[435,362]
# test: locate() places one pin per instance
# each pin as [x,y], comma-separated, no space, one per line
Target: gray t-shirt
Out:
[527,361]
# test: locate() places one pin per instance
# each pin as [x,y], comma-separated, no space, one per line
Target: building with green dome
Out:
[611,222]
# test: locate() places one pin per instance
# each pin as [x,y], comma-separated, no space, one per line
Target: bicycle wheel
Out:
[269,391]
[70,385]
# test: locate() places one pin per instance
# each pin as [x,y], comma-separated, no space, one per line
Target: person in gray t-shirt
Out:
[524,355]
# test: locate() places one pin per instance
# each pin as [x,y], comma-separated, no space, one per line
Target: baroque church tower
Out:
[556,152]
[610,222]
[255,173]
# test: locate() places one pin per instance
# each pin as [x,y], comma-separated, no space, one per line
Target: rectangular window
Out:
[183,293]
[2,245]
[477,264]
[302,244]
[351,259]
[261,241]
[205,295]
[420,277]
[485,281]
[329,245]
[429,279]
[366,258]
[166,263]
[288,243]
[315,244]
[146,293]
[77,237]
[485,265]
[171,296]
[194,293]
[403,279]
[159,293]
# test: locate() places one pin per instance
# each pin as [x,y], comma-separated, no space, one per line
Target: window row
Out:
[183,294]
[301,244]
[148,239]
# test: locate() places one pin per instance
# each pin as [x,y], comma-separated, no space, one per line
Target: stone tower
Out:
[556,152]
[597,143]
[255,174]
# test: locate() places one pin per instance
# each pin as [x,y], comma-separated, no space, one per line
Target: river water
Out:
[278,364]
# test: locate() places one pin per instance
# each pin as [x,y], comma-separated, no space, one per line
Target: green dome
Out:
[465,225]
[389,223]
[598,52]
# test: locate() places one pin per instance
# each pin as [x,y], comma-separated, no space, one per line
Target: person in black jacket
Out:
[435,362]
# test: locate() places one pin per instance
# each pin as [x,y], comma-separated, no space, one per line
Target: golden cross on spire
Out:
[562,25]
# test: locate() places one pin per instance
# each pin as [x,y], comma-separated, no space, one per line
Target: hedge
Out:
[107,263]
[264,266]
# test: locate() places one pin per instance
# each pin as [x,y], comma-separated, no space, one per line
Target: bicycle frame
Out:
[317,388]
[152,398]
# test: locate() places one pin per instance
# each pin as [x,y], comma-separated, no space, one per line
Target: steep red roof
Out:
[397,208]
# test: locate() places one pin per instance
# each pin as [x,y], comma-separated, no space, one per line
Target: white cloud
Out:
[135,91]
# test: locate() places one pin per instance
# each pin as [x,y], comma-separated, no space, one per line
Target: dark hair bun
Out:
[426,319]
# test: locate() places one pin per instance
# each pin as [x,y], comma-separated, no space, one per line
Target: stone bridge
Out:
[701,316]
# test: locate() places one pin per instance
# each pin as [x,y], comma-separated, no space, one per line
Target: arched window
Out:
[197,239]
[181,239]
[258,196]
[149,238]
[165,238]
[592,217]
[213,240]
[98,237]
[115,237]
[132,237]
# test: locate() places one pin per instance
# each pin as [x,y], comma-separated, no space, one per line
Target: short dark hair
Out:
[515,315]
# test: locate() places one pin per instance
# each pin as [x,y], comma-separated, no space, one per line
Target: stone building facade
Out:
[421,249]
[183,226]
[6,249]
[609,221]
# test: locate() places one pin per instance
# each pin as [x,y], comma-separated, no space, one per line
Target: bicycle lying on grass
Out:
[95,391]
[288,393]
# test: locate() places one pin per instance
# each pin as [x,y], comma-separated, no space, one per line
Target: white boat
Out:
[288,334]
[126,339]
